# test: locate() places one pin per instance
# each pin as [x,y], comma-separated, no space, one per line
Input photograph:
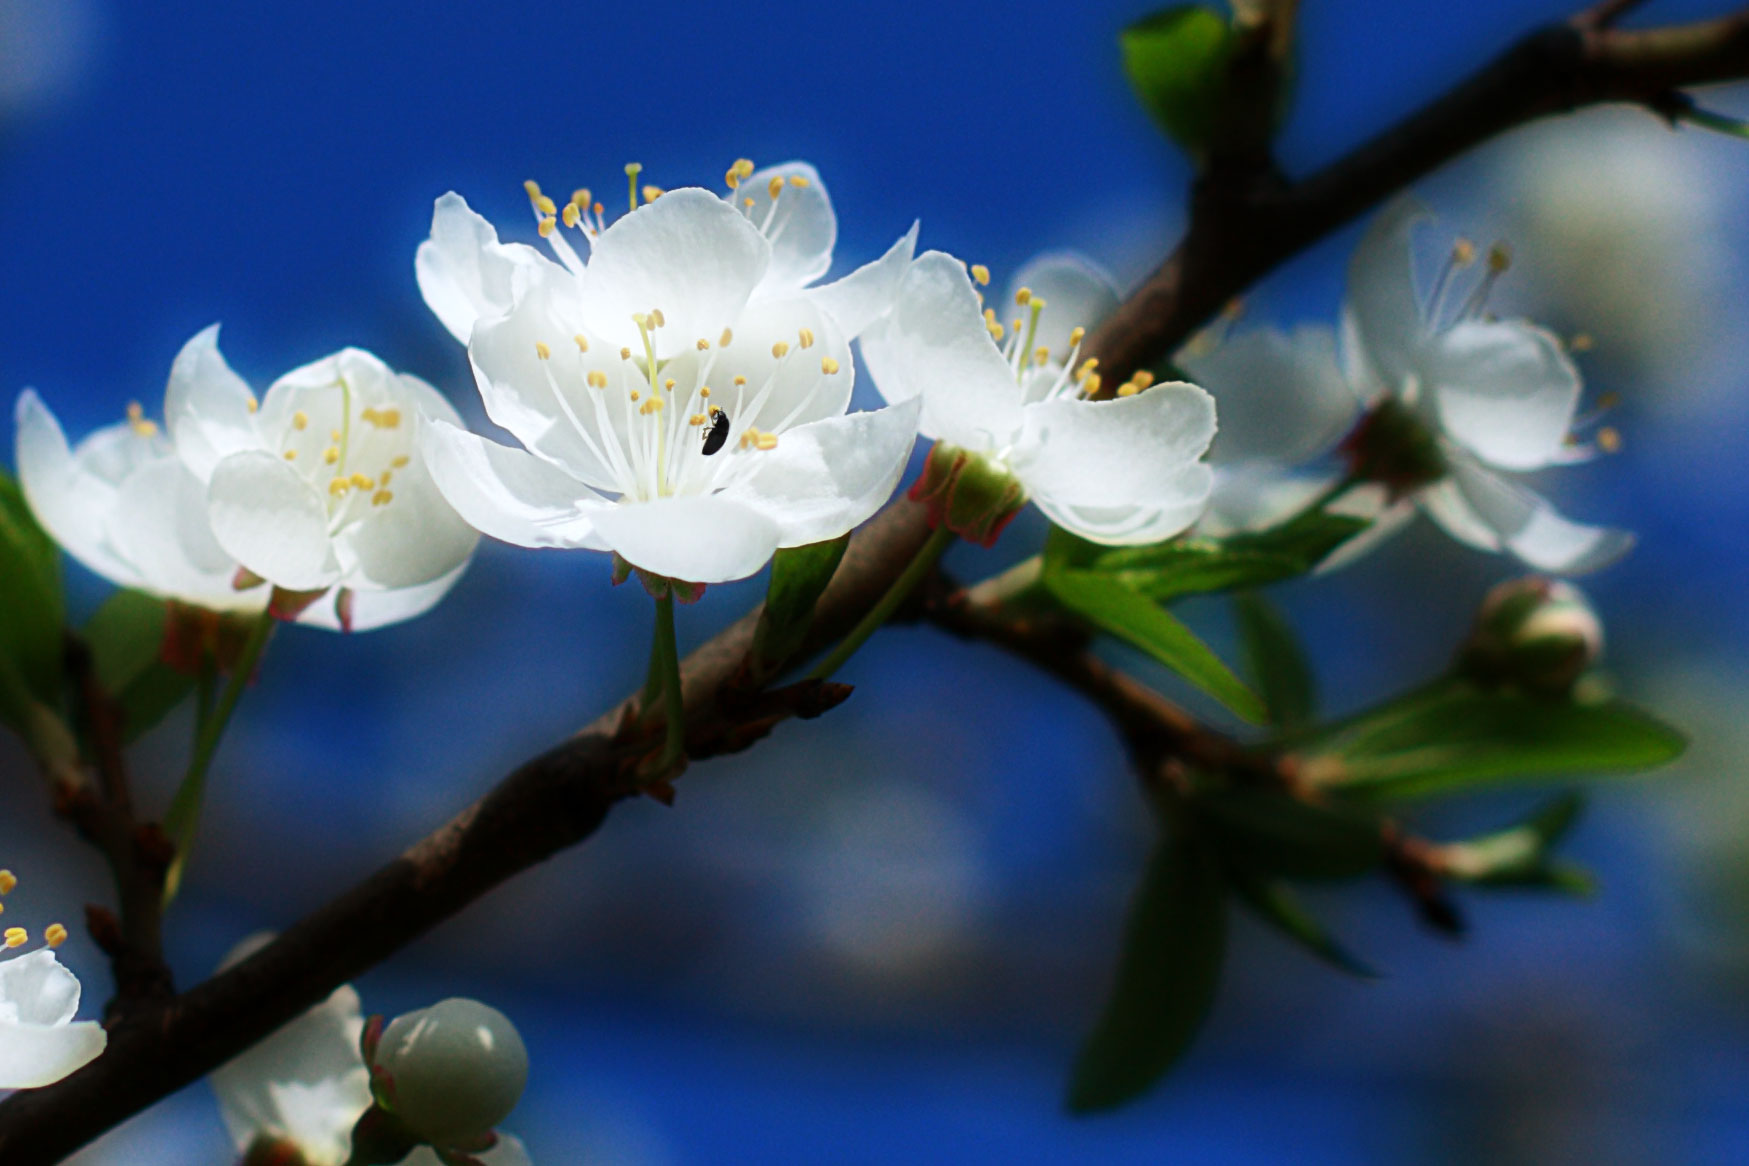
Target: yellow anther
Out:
[1016,323]
[597,379]
[1463,253]
[300,420]
[740,382]
[383,480]
[981,274]
[1091,363]
[657,319]
[997,331]
[1023,297]
[545,205]
[388,418]
[698,418]
[828,365]
[8,880]
[1128,389]
[547,227]
[774,187]
[17,937]
[367,414]
[533,190]
[581,341]
[798,180]
[541,350]
[989,317]
[333,435]
[642,320]
[766,441]
[571,214]
[1609,439]
[744,167]
[703,344]
[1041,355]
[635,394]
[291,455]
[137,420]
[1038,305]
[654,405]
[1091,384]
[598,208]
[806,337]
[1608,400]
[633,169]
[706,391]
[669,384]
[1075,335]
[581,198]
[382,498]
[55,935]
[748,203]
[652,193]
[361,482]
[400,462]
[731,178]
[725,338]
[625,354]
[1499,258]
[780,349]
[339,486]
[1581,342]
[1142,377]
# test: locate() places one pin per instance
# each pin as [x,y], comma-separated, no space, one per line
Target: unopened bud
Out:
[1534,632]
[454,1070]
[969,494]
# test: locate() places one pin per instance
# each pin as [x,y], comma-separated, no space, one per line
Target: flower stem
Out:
[880,613]
[665,663]
[1331,493]
[184,816]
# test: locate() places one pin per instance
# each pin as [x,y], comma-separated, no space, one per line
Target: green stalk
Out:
[1718,123]
[913,574]
[184,817]
[665,658]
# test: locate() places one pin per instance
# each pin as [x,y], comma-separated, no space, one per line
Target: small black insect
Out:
[716,431]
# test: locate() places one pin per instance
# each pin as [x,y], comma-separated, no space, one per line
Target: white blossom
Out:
[40,1042]
[681,396]
[1123,470]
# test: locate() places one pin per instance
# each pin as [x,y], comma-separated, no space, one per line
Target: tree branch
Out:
[1238,232]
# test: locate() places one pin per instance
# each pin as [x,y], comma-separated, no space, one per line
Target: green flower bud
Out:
[1538,633]
[970,495]
[453,1070]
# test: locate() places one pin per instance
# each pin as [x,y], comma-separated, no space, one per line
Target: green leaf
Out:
[1455,736]
[126,636]
[1275,662]
[1174,943]
[799,576]
[1176,61]
[1139,621]
[31,606]
[1276,905]
[1519,855]
[1281,836]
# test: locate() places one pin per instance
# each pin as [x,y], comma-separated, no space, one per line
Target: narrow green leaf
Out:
[126,636]
[1518,856]
[799,576]
[31,606]
[1456,736]
[1275,662]
[1063,549]
[1176,62]
[1173,947]
[1140,622]
[1276,905]
[1281,836]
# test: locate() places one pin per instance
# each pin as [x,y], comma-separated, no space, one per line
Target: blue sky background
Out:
[879,937]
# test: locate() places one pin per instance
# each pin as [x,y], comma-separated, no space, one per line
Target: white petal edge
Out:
[69,502]
[1119,452]
[1506,391]
[1076,292]
[867,293]
[32,1056]
[272,521]
[1383,302]
[463,272]
[1281,396]
[1532,529]
[799,225]
[698,539]
[507,493]
[379,609]
[207,407]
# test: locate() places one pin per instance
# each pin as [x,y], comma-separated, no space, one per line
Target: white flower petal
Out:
[1504,390]
[508,494]
[1382,299]
[828,476]
[207,407]
[413,539]
[32,1056]
[67,499]
[158,523]
[934,345]
[1388,520]
[1257,495]
[508,1152]
[800,388]
[1076,293]
[464,273]
[1281,398]
[1133,524]
[1119,452]
[272,521]
[37,989]
[379,609]
[1529,527]
[689,254]
[866,294]
[799,224]
[698,539]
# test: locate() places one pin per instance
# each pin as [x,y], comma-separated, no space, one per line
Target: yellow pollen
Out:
[388,418]
[1128,389]
[598,208]
[597,379]
[360,482]
[55,935]
[744,167]
[254,404]
[652,193]
[533,189]
[780,349]
[384,479]
[706,391]
[740,382]
[1023,297]
[8,880]
[300,420]
[766,441]
[330,455]
[1499,258]
[806,337]
[747,202]
[546,228]
[657,319]
[546,205]
[339,486]
[581,341]
[633,169]
[137,420]
[1463,252]
[581,198]
[703,344]
[1075,335]
[1042,355]
[798,180]
[1090,386]
[981,274]
[17,937]
[774,187]
[291,455]
[634,394]
[989,317]
[1581,342]
[400,462]
[731,178]
[382,498]
[1016,323]
[828,365]
[669,384]
[571,214]
[1609,439]
[1142,377]
[625,354]
[367,414]
[333,435]
[541,350]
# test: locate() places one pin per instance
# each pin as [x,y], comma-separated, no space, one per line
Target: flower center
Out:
[350,454]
